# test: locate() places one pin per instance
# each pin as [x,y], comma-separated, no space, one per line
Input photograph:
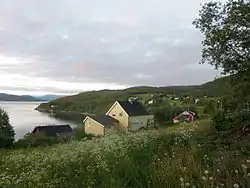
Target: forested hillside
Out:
[99,101]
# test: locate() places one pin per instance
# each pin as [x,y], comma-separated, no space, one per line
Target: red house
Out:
[185,116]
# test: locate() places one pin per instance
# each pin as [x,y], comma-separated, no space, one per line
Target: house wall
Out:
[136,122]
[118,113]
[92,127]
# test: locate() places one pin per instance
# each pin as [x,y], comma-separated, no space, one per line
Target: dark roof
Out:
[53,130]
[105,120]
[134,108]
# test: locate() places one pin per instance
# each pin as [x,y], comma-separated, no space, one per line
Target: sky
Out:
[70,46]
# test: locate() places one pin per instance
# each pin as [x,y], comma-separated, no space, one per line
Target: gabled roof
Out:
[105,120]
[184,114]
[133,108]
[53,130]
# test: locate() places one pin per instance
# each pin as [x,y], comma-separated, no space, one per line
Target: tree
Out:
[210,108]
[7,133]
[226,27]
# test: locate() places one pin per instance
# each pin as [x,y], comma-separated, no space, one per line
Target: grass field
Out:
[144,159]
[198,126]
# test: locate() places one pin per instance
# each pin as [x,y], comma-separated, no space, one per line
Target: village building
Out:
[123,115]
[54,130]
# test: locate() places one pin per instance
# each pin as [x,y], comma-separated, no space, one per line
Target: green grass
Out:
[200,126]
[143,159]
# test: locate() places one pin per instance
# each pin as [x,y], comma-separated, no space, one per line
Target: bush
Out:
[219,121]
[80,134]
[7,133]
[240,118]
[41,140]
[224,122]
[166,113]
[210,108]
[36,140]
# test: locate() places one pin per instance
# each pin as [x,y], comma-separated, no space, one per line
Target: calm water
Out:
[24,118]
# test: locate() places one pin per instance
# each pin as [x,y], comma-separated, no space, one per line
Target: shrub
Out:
[219,121]
[80,134]
[37,140]
[210,108]
[224,122]
[7,133]
[240,118]
[41,140]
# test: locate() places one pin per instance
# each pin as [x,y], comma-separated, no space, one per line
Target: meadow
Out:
[182,158]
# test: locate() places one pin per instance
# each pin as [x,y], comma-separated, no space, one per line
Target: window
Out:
[135,123]
[120,114]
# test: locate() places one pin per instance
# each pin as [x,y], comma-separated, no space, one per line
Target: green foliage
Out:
[226,44]
[165,114]
[210,108]
[69,116]
[38,140]
[219,121]
[79,134]
[230,122]
[41,140]
[6,130]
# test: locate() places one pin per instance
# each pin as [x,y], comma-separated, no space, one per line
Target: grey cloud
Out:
[93,41]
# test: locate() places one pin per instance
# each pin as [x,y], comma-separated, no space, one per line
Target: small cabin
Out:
[54,130]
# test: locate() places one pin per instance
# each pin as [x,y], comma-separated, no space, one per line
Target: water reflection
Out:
[24,118]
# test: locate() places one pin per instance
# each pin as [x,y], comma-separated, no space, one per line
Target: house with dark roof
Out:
[99,125]
[123,115]
[54,130]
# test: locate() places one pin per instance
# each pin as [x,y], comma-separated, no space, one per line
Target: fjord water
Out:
[24,118]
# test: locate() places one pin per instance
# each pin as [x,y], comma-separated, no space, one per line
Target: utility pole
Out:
[89,109]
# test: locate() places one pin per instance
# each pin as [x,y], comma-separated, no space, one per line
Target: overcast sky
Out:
[68,46]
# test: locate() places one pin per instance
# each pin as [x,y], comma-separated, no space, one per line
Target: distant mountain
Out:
[50,97]
[10,97]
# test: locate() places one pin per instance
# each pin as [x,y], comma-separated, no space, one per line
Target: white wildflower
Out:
[236,185]
[211,178]
[244,166]
[203,178]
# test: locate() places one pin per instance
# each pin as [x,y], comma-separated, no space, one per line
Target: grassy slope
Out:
[143,159]
[99,101]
